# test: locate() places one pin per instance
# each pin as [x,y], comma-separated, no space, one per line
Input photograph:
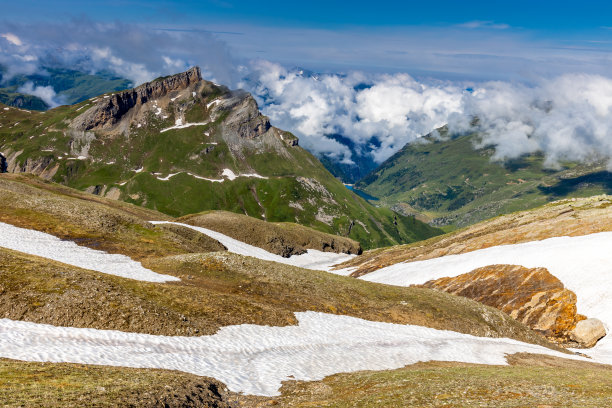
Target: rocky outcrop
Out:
[108,111]
[3,164]
[246,120]
[45,166]
[588,332]
[532,296]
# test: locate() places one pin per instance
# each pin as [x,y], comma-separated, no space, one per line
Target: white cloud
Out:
[478,24]
[568,117]
[394,109]
[46,93]
[12,38]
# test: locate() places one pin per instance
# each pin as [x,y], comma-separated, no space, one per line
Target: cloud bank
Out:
[568,117]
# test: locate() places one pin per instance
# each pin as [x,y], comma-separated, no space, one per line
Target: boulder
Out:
[588,332]
[530,295]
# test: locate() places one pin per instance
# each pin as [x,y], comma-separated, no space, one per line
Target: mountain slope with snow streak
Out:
[256,359]
[313,259]
[582,263]
[48,246]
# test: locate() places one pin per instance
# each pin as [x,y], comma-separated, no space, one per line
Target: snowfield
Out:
[256,359]
[583,264]
[50,247]
[312,259]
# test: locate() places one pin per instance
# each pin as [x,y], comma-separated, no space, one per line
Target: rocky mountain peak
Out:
[110,108]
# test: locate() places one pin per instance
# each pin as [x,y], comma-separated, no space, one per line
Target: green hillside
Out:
[455,184]
[140,157]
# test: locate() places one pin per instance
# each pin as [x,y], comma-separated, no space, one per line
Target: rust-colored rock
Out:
[532,296]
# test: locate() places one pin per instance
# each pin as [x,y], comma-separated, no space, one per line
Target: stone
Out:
[588,332]
[532,296]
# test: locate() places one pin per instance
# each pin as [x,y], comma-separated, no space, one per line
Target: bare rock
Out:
[588,332]
[530,295]
[109,111]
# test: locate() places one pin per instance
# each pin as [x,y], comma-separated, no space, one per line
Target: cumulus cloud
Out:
[568,117]
[46,93]
[385,110]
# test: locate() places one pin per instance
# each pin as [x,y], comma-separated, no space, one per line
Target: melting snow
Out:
[583,264]
[233,176]
[179,125]
[168,177]
[48,246]
[139,170]
[256,359]
[216,101]
[313,259]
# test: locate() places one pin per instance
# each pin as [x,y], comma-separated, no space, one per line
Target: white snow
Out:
[168,177]
[583,264]
[138,170]
[256,359]
[179,125]
[204,178]
[233,176]
[216,101]
[139,125]
[313,259]
[174,99]
[229,174]
[6,109]
[193,94]
[48,246]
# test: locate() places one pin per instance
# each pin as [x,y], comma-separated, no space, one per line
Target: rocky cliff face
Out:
[109,111]
[532,296]
[3,165]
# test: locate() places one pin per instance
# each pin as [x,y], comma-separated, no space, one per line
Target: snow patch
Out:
[168,177]
[50,247]
[255,359]
[179,125]
[233,176]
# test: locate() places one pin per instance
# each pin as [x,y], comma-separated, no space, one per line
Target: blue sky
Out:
[554,16]
[456,40]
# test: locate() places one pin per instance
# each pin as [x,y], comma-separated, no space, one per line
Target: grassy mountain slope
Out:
[139,155]
[281,238]
[455,184]
[530,381]
[568,217]
[216,288]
